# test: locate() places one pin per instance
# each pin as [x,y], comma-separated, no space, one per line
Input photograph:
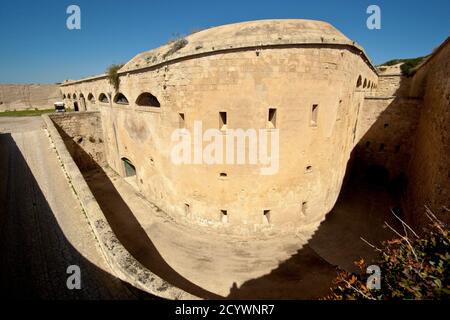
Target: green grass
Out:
[25,113]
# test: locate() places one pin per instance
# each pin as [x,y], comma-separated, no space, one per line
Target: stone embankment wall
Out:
[429,170]
[82,133]
[387,123]
[404,127]
[121,262]
[15,97]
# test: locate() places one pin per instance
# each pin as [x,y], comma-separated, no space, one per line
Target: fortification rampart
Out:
[429,169]
[315,87]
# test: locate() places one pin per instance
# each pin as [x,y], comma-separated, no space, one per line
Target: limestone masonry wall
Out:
[330,103]
[245,82]
[386,130]
[28,96]
[121,262]
[429,170]
[82,133]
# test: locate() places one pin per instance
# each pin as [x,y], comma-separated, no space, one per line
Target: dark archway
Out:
[103,98]
[359,82]
[146,99]
[121,99]
[91,98]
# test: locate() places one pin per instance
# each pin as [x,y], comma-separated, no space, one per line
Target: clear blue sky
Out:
[36,46]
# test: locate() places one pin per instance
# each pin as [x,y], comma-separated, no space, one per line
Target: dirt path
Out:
[42,227]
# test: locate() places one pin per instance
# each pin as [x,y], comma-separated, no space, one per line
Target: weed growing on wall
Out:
[176,45]
[113,76]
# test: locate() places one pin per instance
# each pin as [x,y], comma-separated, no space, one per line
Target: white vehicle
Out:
[59,107]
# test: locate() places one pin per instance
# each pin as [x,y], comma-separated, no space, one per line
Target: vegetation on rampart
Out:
[408,67]
[113,75]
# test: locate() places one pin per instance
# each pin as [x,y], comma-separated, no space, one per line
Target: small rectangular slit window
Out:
[266,216]
[304,207]
[223,216]
[222,120]
[187,209]
[181,122]
[308,169]
[272,118]
[314,115]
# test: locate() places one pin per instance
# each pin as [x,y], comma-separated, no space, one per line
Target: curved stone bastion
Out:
[241,126]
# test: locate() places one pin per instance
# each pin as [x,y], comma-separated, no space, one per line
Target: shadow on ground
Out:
[125,225]
[35,253]
[363,206]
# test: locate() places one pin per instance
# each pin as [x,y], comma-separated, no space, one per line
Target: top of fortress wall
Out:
[244,35]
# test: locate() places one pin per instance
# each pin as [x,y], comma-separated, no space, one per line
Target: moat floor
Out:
[213,265]
[42,227]
[43,230]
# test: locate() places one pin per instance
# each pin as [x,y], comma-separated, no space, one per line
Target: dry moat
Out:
[98,187]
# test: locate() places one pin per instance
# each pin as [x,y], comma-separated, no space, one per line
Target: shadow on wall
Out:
[386,146]
[365,201]
[374,183]
[306,266]
[34,251]
[363,206]
[124,224]
[373,187]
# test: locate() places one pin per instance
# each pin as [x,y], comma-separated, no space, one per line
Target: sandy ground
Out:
[201,261]
[42,227]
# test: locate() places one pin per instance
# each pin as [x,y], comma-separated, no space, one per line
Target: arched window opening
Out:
[81,95]
[130,169]
[69,96]
[64,96]
[91,98]
[103,98]
[120,99]
[359,82]
[147,100]
[74,96]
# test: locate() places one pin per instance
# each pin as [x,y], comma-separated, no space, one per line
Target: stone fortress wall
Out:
[325,93]
[240,72]
[429,170]
[404,127]
[15,97]
[83,136]
[387,123]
